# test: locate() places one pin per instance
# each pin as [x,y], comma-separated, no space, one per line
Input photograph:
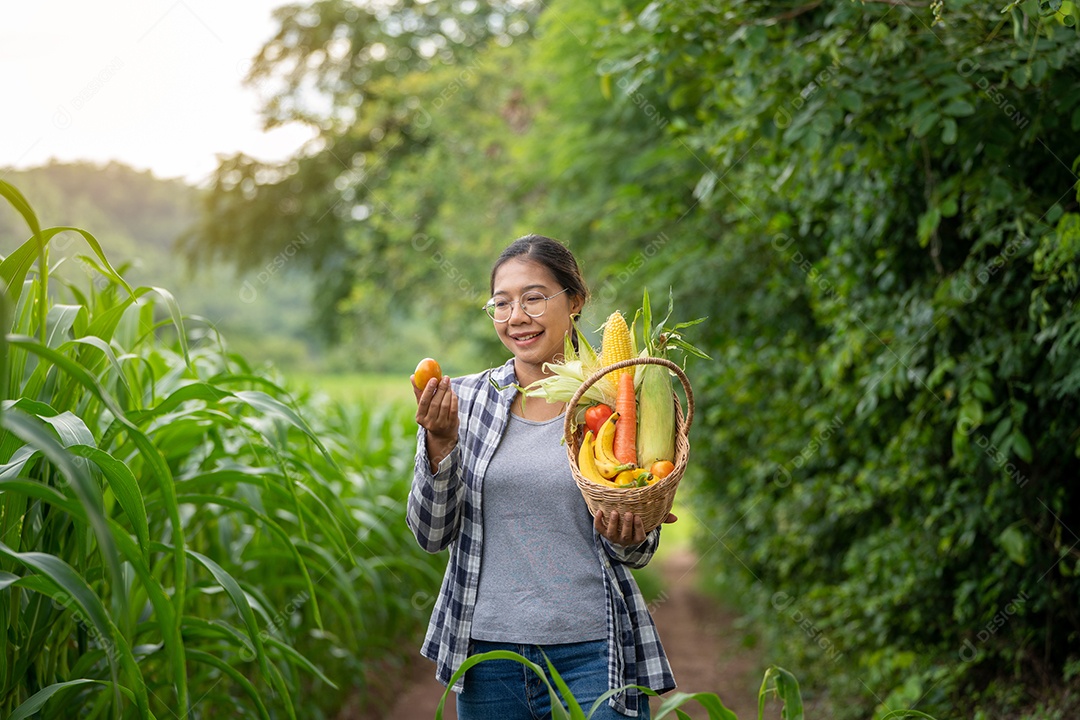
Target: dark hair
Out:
[554,256]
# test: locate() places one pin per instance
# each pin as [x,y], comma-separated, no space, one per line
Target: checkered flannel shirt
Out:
[444,511]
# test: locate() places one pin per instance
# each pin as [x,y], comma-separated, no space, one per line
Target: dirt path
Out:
[699,637]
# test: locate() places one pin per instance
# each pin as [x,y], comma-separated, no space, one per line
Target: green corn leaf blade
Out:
[107,351]
[271,406]
[62,320]
[149,452]
[70,428]
[37,701]
[7,579]
[14,268]
[5,324]
[18,201]
[105,267]
[710,701]
[497,655]
[124,486]
[607,695]
[77,372]
[278,681]
[236,676]
[576,712]
[241,506]
[85,488]
[104,324]
[192,391]
[646,323]
[787,688]
[66,586]
[239,600]
[217,630]
[688,323]
[296,658]
[177,320]
[13,273]
[688,348]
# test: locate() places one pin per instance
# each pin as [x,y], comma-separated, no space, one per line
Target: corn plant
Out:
[777,682]
[180,536]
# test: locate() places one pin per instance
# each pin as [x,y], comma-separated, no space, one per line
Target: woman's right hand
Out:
[437,412]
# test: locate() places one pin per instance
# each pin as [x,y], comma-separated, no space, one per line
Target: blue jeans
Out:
[507,690]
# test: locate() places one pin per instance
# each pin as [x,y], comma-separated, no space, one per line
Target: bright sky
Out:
[155,84]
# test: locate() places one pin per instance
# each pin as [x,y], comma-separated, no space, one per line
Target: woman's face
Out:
[533,341]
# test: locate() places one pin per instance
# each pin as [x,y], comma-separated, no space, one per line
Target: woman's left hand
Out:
[622,528]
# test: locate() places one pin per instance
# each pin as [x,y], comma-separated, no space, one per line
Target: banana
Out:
[603,449]
[609,470]
[587,461]
[605,441]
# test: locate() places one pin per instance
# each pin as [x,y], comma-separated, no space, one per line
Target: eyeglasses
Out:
[533,303]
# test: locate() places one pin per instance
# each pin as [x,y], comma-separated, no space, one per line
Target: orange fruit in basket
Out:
[662,468]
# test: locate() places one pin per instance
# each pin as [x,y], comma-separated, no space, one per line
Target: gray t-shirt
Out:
[540,577]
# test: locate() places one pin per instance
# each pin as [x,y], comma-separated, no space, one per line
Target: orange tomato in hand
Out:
[426,370]
[662,468]
[596,415]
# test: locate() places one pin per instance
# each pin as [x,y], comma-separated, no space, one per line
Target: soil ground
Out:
[700,639]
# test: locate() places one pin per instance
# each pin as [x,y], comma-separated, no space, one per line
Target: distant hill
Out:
[114,201]
[138,218]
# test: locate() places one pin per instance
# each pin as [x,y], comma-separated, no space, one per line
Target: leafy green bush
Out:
[888,247]
[177,533]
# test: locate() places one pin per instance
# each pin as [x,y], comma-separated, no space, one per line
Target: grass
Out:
[360,389]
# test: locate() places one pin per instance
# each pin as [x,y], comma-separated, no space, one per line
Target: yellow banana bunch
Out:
[597,463]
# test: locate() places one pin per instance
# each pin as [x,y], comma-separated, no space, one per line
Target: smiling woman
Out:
[534,571]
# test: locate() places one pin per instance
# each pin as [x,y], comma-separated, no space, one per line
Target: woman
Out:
[530,570]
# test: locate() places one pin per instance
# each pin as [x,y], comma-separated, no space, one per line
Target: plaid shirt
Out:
[444,511]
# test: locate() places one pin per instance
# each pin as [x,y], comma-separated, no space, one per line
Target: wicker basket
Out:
[651,503]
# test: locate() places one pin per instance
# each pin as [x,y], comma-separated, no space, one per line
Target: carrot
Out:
[625,445]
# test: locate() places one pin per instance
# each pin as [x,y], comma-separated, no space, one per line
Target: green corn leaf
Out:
[787,687]
[78,478]
[239,600]
[271,406]
[293,656]
[710,701]
[124,486]
[18,201]
[66,586]
[13,273]
[177,320]
[571,702]
[242,507]
[501,655]
[236,676]
[149,452]
[37,701]
[62,320]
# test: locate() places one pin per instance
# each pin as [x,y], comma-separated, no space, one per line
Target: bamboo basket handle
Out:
[592,380]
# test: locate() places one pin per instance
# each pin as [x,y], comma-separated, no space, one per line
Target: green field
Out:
[356,388]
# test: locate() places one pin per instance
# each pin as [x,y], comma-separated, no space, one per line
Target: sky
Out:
[156,84]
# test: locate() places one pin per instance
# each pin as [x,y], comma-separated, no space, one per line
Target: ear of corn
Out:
[656,417]
[616,347]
